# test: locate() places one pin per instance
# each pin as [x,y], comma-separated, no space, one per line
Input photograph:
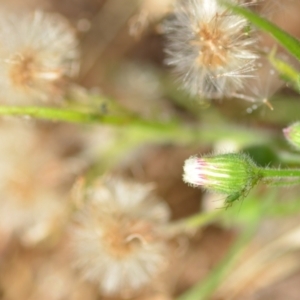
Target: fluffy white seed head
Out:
[260,89]
[33,177]
[37,52]
[210,48]
[117,241]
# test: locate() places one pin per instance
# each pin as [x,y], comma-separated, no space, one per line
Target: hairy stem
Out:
[269,174]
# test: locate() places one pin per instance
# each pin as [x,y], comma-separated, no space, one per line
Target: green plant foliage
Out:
[289,42]
[287,72]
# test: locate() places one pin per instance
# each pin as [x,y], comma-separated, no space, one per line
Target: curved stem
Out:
[206,287]
[194,222]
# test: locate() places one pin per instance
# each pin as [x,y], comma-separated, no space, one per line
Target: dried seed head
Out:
[37,52]
[209,48]
[33,177]
[117,241]
[260,88]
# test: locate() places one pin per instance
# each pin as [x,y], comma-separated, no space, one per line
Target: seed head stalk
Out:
[281,173]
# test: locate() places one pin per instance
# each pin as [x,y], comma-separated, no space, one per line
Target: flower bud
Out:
[292,134]
[229,174]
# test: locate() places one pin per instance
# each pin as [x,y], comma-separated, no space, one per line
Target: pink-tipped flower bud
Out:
[229,174]
[292,134]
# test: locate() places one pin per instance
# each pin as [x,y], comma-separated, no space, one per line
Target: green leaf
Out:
[285,39]
[287,72]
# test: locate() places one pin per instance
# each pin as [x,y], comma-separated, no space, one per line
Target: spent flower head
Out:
[34,181]
[232,174]
[117,241]
[37,52]
[261,87]
[210,48]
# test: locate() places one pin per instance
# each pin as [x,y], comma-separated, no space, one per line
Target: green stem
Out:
[288,157]
[280,183]
[280,177]
[69,115]
[205,288]
[201,219]
[189,224]
[170,130]
[280,173]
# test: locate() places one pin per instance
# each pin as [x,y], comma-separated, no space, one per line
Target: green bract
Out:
[230,174]
[292,134]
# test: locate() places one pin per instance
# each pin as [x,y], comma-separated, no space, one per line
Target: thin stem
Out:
[170,130]
[280,173]
[282,183]
[288,157]
[205,288]
[69,115]
[243,97]
[190,224]
[202,218]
